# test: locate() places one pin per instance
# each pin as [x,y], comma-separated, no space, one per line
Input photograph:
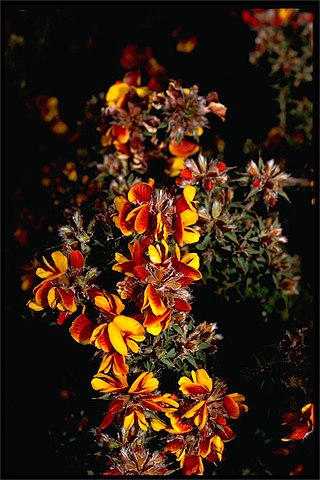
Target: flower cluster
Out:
[151,242]
[158,271]
[143,126]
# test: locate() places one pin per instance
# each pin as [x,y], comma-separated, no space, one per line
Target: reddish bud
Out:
[76,259]
[208,184]
[256,183]
[221,166]
[272,202]
[186,174]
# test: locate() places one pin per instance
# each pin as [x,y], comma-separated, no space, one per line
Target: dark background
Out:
[72,51]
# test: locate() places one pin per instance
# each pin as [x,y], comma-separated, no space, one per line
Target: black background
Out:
[72,52]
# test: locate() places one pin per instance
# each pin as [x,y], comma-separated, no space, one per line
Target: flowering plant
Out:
[165,217]
[284,37]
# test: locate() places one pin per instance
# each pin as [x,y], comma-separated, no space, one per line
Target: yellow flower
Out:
[201,383]
[106,384]
[124,332]
[145,383]
[52,272]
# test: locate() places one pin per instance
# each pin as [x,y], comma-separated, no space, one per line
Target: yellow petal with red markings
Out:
[53,270]
[142,219]
[100,338]
[189,217]
[102,303]
[160,403]
[203,378]
[190,388]
[191,259]
[119,364]
[116,92]
[106,384]
[67,299]
[53,297]
[81,329]
[232,407]
[128,421]
[41,293]
[105,365]
[142,422]
[154,254]
[34,306]
[158,425]
[119,202]
[193,410]
[140,192]
[145,383]
[156,324]
[183,148]
[60,261]
[190,235]
[217,445]
[116,338]
[152,298]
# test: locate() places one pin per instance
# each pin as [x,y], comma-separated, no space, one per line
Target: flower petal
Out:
[140,192]
[82,329]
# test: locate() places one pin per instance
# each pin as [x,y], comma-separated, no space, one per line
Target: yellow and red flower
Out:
[136,402]
[55,291]
[154,212]
[302,423]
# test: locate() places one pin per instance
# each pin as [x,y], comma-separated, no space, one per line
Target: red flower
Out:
[302,423]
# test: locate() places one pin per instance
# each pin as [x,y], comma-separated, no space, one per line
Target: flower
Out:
[302,423]
[122,333]
[54,290]
[157,281]
[136,401]
[156,214]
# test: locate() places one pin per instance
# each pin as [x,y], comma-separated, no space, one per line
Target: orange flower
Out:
[134,266]
[190,463]
[135,402]
[81,329]
[106,384]
[125,332]
[188,265]
[137,218]
[145,383]
[52,272]
[185,148]
[109,304]
[120,334]
[234,406]
[186,216]
[302,423]
[200,384]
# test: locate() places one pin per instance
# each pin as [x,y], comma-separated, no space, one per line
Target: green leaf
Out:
[231,236]
[170,354]
[192,361]
[167,362]
[178,329]
[284,195]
